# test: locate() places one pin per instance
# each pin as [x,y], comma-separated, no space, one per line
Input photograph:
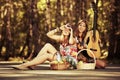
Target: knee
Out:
[101,64]
[47,44]
[50,57]
[104,64]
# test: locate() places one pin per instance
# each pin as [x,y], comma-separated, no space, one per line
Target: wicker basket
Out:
[87,65]
[59,66]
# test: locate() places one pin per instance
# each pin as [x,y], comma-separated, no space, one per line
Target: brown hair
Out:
[77,30]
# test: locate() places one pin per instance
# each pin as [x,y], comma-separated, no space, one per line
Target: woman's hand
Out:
[67,26]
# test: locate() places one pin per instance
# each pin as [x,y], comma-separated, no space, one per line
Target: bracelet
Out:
[55,30]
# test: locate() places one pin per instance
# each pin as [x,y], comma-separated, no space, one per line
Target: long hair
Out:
[67,40]
[77,30]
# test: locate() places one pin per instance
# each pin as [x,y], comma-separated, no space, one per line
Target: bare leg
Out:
[47,48]
[46,53]
[100,64]
[38,60]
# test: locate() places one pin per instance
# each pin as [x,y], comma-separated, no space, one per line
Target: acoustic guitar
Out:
[94,38]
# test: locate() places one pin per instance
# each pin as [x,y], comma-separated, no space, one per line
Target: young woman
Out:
[80,34]
[83,38]
[48,52]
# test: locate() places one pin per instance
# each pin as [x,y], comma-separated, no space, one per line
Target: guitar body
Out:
[93,35]
[93,45]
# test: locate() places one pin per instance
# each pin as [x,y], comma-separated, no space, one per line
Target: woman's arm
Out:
[51,34]
[71,39]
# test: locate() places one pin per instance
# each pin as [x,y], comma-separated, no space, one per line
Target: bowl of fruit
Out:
[59,65]
[85,65]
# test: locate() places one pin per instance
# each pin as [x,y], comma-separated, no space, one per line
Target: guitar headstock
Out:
[94,6]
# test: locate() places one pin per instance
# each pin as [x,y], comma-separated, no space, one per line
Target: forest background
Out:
[24,24]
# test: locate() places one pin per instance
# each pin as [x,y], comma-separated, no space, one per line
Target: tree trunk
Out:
[48,15]
[35,24]
[58,14]
[8,36]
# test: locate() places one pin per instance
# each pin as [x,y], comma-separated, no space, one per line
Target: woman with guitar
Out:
[83,40]
[80,35]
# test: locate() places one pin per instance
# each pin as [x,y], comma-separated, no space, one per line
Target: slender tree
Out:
[48,15]
[8,36]
[58,13]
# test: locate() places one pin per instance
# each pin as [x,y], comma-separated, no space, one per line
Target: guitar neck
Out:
[94,26]
[94,20]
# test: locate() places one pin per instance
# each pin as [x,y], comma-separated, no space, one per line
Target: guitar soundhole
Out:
[93,49]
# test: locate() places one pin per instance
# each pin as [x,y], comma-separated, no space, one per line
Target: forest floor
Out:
[43,72]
